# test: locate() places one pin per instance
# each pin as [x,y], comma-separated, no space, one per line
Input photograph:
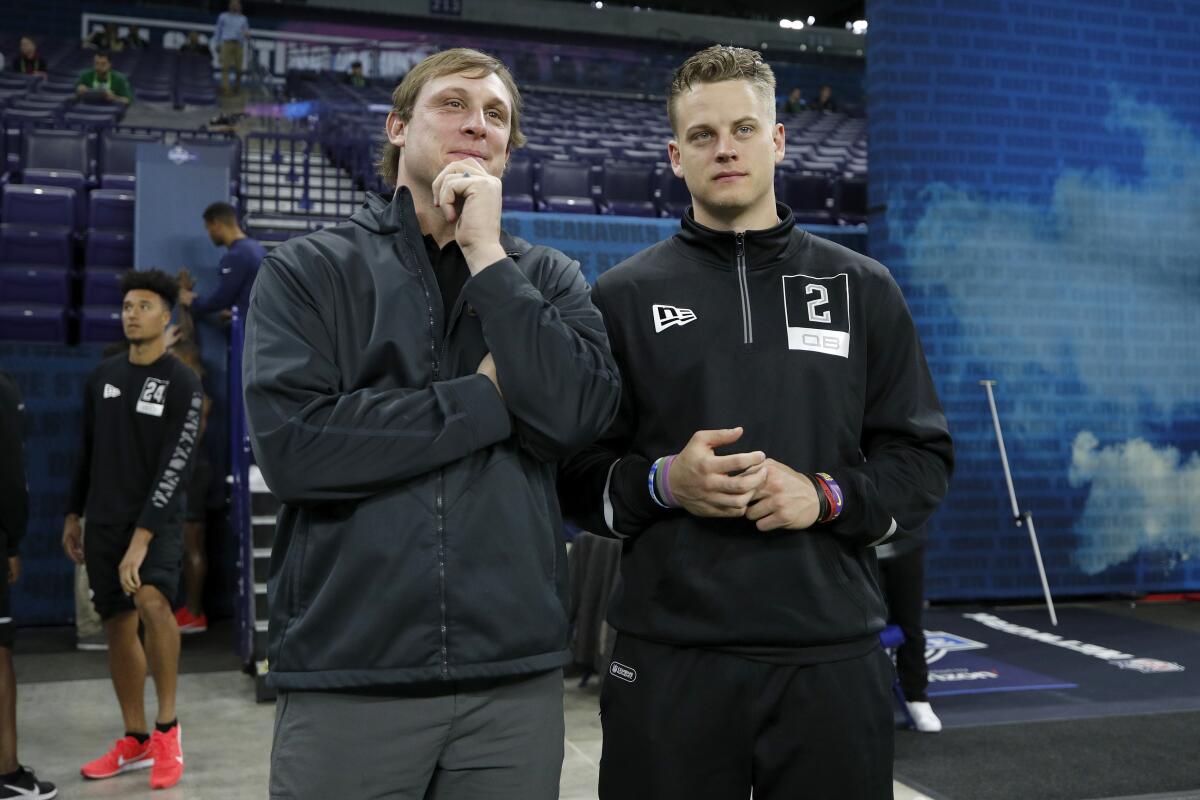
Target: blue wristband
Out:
[652,480]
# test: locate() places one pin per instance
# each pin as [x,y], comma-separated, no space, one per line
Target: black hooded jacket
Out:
[420,536]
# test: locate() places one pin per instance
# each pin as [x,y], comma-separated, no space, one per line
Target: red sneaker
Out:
[190,623]
[168,758]
[126,754]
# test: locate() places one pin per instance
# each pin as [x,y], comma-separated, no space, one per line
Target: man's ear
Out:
[397,129]
[674,155]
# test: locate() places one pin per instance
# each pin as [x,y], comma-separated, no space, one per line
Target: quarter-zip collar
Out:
[385,215]
[763,248]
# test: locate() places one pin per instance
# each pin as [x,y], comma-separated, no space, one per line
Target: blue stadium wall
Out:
[1035,186]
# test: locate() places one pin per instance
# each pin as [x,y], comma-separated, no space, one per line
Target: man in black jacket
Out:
[777,422]
[412,377]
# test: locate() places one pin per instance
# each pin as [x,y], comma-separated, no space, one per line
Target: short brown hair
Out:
[448,62]
[722,63]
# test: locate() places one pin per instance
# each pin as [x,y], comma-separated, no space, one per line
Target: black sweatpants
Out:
[903,578]
[696,724]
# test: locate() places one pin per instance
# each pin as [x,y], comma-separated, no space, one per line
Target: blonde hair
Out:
[448,62]
[723,63]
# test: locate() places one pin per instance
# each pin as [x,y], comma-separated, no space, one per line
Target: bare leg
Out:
[162,646]
[8,713]
[195,566]
[127,665]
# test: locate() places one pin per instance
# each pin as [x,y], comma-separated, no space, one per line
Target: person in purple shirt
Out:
[238,267]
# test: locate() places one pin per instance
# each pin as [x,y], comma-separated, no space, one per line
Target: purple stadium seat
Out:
[100,324]
[591,155]
[643,156]
[545,152]
[32,322]
[21,244]
[44,285]
[850,199]
[118,158]
[518,186]
[808,197]
[108,249]
[39,205]
[34,103]
[628,190]
[671,194]
[111,209]
[56,150]
[102,287]
[565,187]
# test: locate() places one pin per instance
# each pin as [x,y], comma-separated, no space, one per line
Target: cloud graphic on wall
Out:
[1141,498]
[1108,278]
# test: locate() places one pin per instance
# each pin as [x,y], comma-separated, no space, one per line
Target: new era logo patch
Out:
[666,316]
[111,391]
[619,670]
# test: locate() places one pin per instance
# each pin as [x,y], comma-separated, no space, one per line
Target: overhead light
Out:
[785,23]
[812,20]
[599,4]
[797,25]
[859,26]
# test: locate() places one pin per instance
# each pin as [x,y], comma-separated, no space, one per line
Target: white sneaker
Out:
[923,717]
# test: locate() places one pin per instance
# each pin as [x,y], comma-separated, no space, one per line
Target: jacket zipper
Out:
[744,290]
[439,502]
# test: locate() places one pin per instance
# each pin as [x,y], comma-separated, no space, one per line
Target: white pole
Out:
[1018,520]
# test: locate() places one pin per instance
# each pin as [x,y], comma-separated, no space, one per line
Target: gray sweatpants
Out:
[477,740]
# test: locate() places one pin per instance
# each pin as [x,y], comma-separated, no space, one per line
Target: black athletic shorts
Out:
[197,491]
[7,628]
[103,548]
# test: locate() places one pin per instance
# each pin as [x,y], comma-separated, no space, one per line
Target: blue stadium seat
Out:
[628,190]
[22,244]
[42,285]
[565,187]
[118,158]
[111,209]
[850,201]
[809,198]
[108,249]
[33,322]
[671,194]
[100,324]
[38,205]
[518,186]
[102,287]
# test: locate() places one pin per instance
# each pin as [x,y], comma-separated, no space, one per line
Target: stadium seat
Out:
[22,244]
[628,190]
[39,205]
[111,209]
[565,187]
[100,324]
[33,322]
[108,249]
[118,158]
[518,186]
[58,158]
[102,287]
[850,201]
[43,285]
[808,197]
[671,194]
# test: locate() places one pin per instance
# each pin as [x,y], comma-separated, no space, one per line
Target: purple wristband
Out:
[666,482]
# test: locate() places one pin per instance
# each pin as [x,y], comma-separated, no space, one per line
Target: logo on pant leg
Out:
[619,670]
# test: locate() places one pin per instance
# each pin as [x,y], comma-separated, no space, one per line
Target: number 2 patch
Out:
[153,397]
[817,313]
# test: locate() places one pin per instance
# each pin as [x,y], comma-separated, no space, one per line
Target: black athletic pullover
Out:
[810,348]
[140,424]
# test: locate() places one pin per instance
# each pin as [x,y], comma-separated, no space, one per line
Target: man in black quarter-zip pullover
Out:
[412,377]
[777,422]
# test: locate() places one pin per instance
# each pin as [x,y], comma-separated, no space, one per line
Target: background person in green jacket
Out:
[103,78]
